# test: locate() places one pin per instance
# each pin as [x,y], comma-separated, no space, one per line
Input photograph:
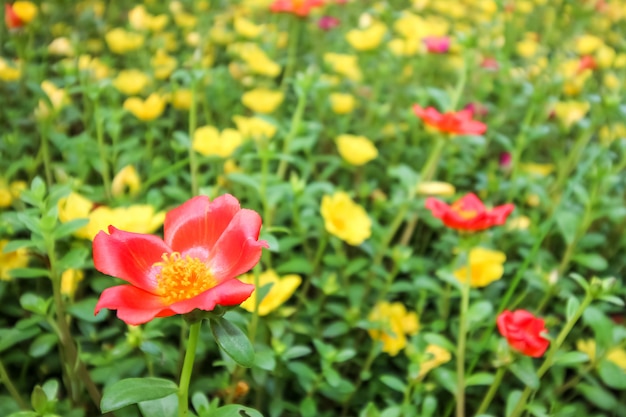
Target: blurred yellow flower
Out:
[25,10]
[57,96]
[282,288]
[246,28]
[486,266]
[163,64]
[404,47]
[140,19]
[356,150]
[208,141]
[345,219]
[570,112]
[121,41]
[518,223]
[94,66]
[126,180]
[61,46]
[396,324]
[540,170]
[612,132]
[616,354]
[185,20]
[11,260]
[220,34]
[146,110]
[367,39]
[587,44]
[9,72]
[346,65]
[438,188]
[435,357]
[342,103]
[10,192]
[605,56]
[181,99]
[527,48]
[257,60]
[69,281]
[262,100]
[254,127]
[131,82]
[139,218]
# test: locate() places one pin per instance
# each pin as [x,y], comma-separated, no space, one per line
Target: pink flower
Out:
[328,22]
[437,44]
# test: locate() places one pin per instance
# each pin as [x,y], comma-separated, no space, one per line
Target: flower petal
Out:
[228,293]
[199,222]
[238,249]
[134,305]
[129,256]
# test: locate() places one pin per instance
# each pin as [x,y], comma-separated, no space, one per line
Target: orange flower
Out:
[454,123]
[300,8]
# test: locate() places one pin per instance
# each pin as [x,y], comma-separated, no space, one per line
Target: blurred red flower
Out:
[300,8]
[468,213]
[455,123]
[524,332]
[207,244]
[11,19]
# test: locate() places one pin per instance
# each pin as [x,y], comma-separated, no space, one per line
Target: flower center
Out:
[183,278]
[465,214]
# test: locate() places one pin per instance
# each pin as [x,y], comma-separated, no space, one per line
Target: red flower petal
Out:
[199,223]
[129,256]
[238,249]
[229,293]
[470,202]
[134,306]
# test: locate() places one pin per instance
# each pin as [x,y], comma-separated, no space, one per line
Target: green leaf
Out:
[39,400]
[572,306]
[393,382]
[42,345]
[592,261]
[612,299]
[15,336]
[236,411]
[161,407]
[232,341]
[598,396]
[14,245]
[308,408]
[34,303]
[568,225]
[478,313]
[84,310]
[66,229]
[612,375]
[135,390]
[296,265]
[74,259]
[511,401]
[25,414]
[446,378]
[571,359]
[480,378]
[29,273]
[524,370]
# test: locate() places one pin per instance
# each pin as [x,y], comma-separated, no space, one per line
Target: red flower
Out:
[455,123]
[300,8]
[11,19]
[523,332]
[468,213]
[206,246]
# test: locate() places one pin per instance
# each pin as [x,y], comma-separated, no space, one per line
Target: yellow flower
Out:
[367,39]
[126,179]
[486,266]
[262,100]
[140,19]
[11,260]
[131,82]
[97,68]
[437,356]
[208,141]
[185,20]
[181,99]
[346,65]
[342,103]
[58,99]
[281,289]
[527,48]
[70,280]
[220,35]
[605,56]
[9,72]
[616,354]
[435,188]
[570,112]
[345,219]
[356,150]
[10,192]
[254,127]
[73,207]
[396,324]
[404,47]
[25,10]
[256,59]
[518,223]
[246,28]
[588,44]
[540,170]
[611,132]
[121,41]
[146,110]
[61,46]
[163,64]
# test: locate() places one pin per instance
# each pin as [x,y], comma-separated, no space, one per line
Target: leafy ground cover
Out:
[312,208]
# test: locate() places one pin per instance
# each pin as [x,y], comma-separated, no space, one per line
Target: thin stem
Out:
[45,151]
[185,375]
[294,33]
[106,176]
[193,121]
[8,383]
[547,363]
[492,390]
[293,130]
[460,349]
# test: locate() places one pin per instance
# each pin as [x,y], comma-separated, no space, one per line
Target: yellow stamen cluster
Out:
[183,278]
[466,214]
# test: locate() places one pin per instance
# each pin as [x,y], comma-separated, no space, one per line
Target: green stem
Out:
[45,151]
[185,375]
[6,380]
[294,33]
[293,131]
[547,363]
[106,177]
[461,344]
[495,385]
[193,121]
